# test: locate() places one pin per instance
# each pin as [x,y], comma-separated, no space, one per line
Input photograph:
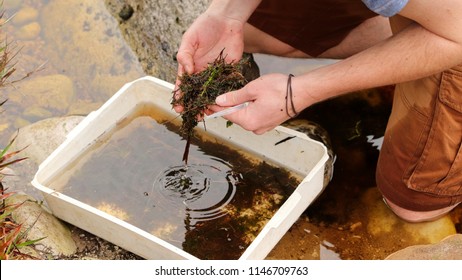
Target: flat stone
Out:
[38,140]
[383,222]
[450,248]
[43,137]
[55,92]
[25,15]
[41,224]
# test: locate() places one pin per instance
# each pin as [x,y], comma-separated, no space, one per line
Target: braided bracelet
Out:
[290,98]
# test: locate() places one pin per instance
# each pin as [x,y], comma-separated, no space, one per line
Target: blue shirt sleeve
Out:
[385,8]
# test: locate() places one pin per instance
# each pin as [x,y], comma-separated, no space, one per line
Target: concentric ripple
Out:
[202,190]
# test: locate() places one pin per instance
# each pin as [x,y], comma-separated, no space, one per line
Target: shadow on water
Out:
[356,157]
[352,121]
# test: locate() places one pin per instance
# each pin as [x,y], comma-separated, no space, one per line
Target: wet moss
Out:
[199,90]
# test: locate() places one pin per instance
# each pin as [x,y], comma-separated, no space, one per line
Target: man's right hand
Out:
[220,28]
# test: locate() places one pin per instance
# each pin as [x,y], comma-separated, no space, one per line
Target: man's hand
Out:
[203,42]
[220,28]
[267,103]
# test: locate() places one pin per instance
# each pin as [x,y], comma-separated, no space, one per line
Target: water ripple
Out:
[202,190]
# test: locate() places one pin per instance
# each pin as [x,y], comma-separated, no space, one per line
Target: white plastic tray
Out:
[301,155]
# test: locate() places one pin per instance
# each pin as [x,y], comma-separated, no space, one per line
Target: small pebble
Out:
[126,12]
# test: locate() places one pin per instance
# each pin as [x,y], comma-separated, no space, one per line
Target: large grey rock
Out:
[43,137]
[450,248]
[154,30]
[38,140]
[39,223]
[382,223]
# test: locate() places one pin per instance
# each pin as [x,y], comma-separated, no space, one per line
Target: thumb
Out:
[231,98]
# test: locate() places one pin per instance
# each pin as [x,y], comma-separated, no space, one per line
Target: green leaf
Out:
[29,242]
[229,123]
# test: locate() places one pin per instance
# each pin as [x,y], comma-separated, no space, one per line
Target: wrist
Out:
[303,93]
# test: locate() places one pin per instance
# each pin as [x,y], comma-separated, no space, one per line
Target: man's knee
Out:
[364,36]
[418,216]
[257,41]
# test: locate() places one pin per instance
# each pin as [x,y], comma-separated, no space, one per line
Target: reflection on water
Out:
[376,142]
[327,251]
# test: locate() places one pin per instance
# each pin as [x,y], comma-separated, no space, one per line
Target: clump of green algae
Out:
[199,90]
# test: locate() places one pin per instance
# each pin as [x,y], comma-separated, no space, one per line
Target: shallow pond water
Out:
[212,208]
[72,55]
[341,222]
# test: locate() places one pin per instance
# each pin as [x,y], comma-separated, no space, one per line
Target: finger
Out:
[177,81]
[232,98]
[181,70]
[178,108]
[185,60]
[214,108]
[208,112]
[260,131]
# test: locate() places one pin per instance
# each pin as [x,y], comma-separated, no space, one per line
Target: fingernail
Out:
[220,99]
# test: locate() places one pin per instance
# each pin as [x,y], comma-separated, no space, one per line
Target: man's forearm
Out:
[411,54]
[431,44]
[235,9]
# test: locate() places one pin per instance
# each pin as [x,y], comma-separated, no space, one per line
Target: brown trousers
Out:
[311,26]
[420,163]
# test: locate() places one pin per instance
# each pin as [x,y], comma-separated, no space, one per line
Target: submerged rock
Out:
[85,35]
[52,92]
[382,222]
[29,31]
[25,15]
